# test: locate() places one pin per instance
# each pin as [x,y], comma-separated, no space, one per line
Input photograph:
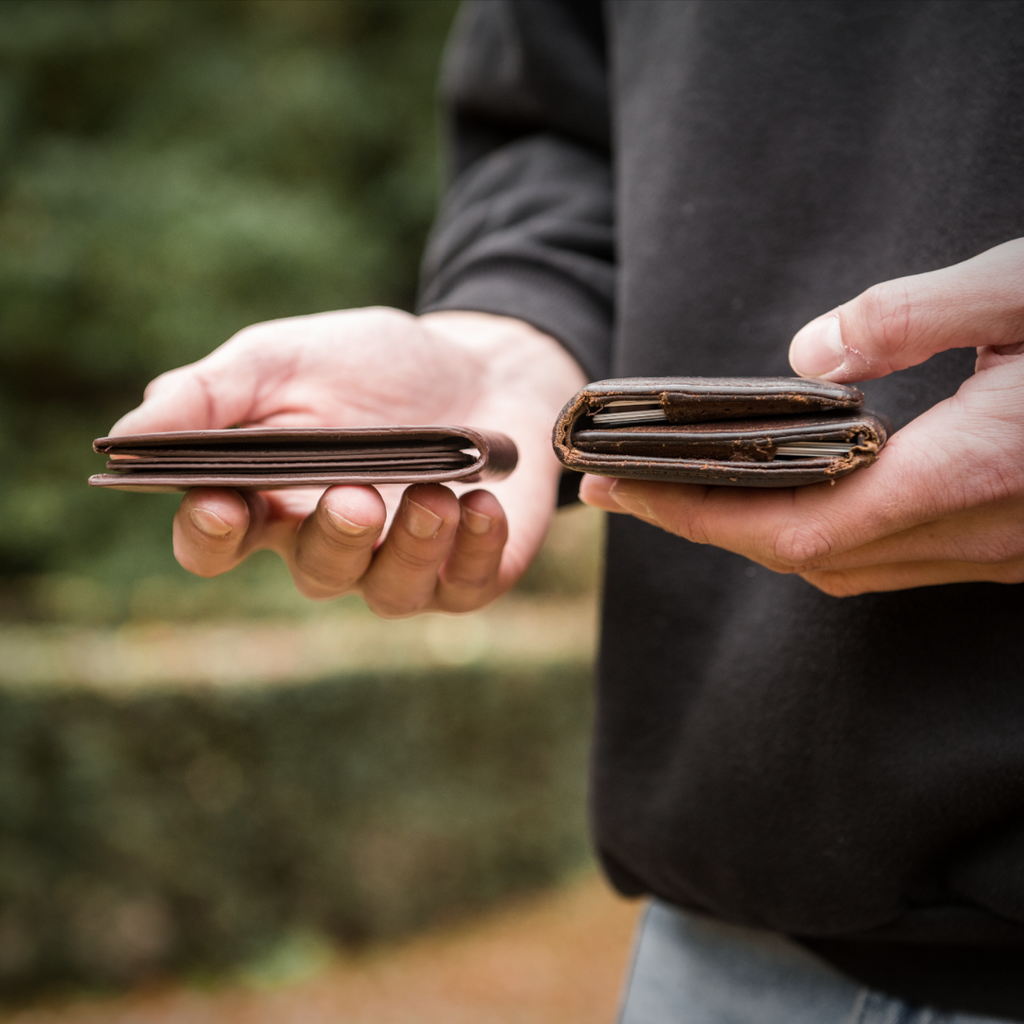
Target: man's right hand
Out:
[372,367]
[945,501]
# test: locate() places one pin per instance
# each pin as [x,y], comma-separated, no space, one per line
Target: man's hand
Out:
[945,501]
[364,368]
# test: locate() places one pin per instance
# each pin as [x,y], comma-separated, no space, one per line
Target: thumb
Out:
[214,393]
[903,322]
[220,390]
[177,400]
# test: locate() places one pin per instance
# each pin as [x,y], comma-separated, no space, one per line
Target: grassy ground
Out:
[555,958]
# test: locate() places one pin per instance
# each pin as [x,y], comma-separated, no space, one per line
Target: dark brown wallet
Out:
[732,431]
[268,459]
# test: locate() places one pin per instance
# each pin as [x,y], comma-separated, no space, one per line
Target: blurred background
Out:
[213,782]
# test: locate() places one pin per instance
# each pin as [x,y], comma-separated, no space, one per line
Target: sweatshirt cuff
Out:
[572,314]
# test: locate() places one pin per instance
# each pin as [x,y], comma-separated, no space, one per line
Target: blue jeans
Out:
[692,970]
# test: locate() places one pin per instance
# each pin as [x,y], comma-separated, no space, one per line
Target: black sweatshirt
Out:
[675,187]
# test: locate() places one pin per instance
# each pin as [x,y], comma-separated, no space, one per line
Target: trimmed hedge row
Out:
[193,831]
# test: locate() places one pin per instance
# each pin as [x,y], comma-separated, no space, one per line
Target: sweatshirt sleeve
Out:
[525,227]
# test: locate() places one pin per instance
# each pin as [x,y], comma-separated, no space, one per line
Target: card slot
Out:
[751,441]
[711,400]
[291,454]
[455,459]
[830,426]
[291,446]
[204,472]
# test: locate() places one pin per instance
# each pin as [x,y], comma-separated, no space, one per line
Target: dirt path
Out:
[554,959]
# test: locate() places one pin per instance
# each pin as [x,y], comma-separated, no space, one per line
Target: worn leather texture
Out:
[273,458]
[726,431]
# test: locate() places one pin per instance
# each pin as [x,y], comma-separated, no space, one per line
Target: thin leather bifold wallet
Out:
[732,431]
[268,459]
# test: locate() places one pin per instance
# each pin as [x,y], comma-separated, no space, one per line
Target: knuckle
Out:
[800,545]
[332,544]
[252,333]
[410,560]
[692,527]
[318,573]
[315,590]
[1014,332]
[692,520]
[834,583]
[205,560]
[161,381]
[391,606]
[888,312]
[461,602]
[1004,549]
[330,559]
[467,578]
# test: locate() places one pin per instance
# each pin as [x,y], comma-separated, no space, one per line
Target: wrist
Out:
[514,352]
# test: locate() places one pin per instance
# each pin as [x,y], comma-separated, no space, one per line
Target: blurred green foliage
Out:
[203,830]
[171,171]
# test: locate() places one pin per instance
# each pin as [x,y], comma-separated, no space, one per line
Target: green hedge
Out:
[198,830]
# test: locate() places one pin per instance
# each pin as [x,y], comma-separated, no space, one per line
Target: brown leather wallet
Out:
[732,431]
[268,459]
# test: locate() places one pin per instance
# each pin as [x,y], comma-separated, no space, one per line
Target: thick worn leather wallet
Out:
[731,431]
[268,459]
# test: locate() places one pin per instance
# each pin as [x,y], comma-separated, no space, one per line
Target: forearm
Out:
[525,230]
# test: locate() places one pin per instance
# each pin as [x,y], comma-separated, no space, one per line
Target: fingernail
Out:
[628,501]
[817,349]
[420,521]
[346,526]
[476,522]
[209,522]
